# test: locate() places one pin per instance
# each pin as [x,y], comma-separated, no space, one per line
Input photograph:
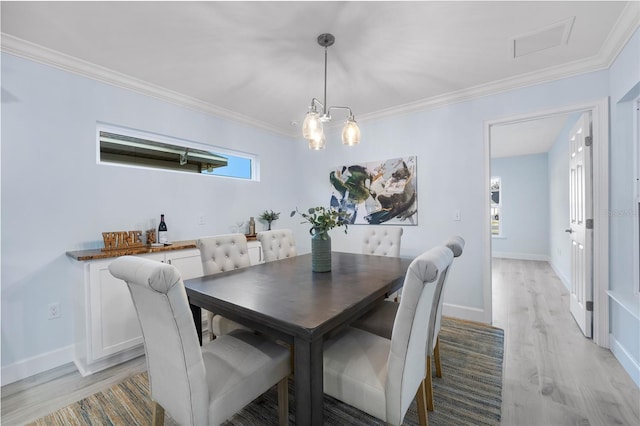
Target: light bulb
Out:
[312,126]
[351,132]
[318,143]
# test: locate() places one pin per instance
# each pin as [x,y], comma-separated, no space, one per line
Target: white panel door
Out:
[581,224]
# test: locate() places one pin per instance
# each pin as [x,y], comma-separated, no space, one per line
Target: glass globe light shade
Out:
[351,132]
[318,143]
[312,126]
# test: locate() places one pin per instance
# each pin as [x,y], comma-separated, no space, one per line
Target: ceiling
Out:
[259,62]
[526,137]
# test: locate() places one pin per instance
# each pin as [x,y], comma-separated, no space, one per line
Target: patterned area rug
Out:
[469,392]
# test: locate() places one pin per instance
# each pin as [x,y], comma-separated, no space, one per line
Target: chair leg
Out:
[428,385]
[210,321]
[158,414]
[283,402]
[423,417]
[436,357]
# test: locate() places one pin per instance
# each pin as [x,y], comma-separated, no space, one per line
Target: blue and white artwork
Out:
[381,192]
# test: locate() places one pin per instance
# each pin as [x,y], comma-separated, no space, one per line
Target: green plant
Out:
[323,220]
[269,216]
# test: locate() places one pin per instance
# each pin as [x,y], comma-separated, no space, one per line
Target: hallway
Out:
[552,374]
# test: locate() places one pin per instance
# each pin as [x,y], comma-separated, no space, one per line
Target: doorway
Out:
[599,112]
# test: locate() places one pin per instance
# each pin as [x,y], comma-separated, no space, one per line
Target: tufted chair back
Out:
[455,243]
[406,366]
[197,385]
[277,244]
[177,375]
[223,253]
[382,241]
[384,376]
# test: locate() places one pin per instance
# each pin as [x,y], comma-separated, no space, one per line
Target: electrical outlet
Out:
[456,215]
[202,220]
[54,310]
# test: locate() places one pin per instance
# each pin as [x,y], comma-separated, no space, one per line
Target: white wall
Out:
[524,195]
[624,80]
[55,198]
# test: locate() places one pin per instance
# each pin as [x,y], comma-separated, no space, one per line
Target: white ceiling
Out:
[259,62]
[526,137]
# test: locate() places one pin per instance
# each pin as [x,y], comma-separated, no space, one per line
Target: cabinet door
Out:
[113,320]
[188,262]
[255,252]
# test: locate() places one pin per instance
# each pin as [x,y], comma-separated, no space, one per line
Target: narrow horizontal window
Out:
[123,147]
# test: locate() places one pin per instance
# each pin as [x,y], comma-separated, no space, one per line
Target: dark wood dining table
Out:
[286,300]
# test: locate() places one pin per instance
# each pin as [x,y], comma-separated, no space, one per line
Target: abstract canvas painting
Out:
[381,192]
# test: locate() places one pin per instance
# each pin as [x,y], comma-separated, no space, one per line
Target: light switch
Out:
[456,215]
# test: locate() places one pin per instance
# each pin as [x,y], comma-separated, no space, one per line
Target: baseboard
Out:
[465,313]
[624,358]
[107,362]
[59,357]
[521,256]
[37,364]
[564,279]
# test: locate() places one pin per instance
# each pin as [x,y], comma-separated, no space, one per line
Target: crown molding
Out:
[623,30]
[25,49]
[495,87]
[627,24]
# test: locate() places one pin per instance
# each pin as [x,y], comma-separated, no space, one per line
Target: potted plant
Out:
[322,220]
[269,216]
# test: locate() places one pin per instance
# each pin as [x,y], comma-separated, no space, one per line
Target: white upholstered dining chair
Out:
[197,385]
[380,320]
[277,244]
[382,241]
[380,376]
[456,245]
[218,254]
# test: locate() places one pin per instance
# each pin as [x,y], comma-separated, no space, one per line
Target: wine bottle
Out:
[163,237]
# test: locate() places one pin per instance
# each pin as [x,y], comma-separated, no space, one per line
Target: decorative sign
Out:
[380,192]
[122,240]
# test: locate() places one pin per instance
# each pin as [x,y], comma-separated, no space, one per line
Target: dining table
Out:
[286,300]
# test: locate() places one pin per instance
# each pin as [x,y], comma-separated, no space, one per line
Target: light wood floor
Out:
[552,374]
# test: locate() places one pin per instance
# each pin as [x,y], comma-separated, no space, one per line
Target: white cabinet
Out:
[255,252]
[188,262]
[107,329]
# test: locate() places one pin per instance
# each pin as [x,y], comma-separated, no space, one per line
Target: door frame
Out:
[600,121]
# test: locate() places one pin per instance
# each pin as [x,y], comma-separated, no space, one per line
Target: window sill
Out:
[631,303]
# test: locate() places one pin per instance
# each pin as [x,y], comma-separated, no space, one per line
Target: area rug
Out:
[468,393]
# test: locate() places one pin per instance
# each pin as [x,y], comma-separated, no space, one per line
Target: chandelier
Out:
[312,127]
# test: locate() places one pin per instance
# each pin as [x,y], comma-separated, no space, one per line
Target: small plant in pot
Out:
[269,216]
[322,220]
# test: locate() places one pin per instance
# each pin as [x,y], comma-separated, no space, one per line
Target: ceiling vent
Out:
[543,38]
